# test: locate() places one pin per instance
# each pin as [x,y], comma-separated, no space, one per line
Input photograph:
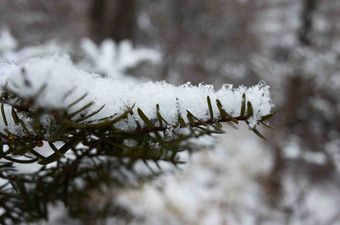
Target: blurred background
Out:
[292,45]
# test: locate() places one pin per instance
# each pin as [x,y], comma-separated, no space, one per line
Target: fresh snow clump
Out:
[65,83]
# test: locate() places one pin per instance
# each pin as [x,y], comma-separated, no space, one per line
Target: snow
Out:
[235,71]
[65,83]
[320,203]
[113,59]
[50,47]
[333,149]
[277,26]
[7,41]
[2,211]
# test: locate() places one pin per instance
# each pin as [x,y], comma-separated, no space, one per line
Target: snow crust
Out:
[65,83]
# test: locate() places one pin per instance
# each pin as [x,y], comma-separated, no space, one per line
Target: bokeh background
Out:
[292,45]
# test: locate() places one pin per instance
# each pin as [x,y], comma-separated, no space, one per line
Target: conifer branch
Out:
[95,148]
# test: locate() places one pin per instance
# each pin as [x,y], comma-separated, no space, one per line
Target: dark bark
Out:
[98,19]
[124,22]
[294,100]
[114,19]
[305,32]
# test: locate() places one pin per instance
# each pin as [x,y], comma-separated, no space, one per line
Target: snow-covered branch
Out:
[63,84]
[46,98]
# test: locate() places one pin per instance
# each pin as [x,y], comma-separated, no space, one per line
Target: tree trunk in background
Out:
[124,21]
[294,85]
[304,34]
[115,19]
[97,17]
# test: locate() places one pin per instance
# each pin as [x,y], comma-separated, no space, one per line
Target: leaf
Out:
[270,115]
[20,150]
[232,125]
[79,110]
[250,109]
[223,113]
[67,123]
[105,118]
[258,133]
[76,101]
[110,122]
[218,125]
[19,160]
[55,149]
[210,109]
[3,114]
[145,118]
[112,142]
[192,117]
[5,164]
[243,106]
[66,185]
[3,136]
[67,146]
[181,122]
[25,128]
[136,120]
[208,131]
[160,117]
[15,117]
[157,164]
[51,127]
[36,154]
[90,115]
[266,125]
[22,190]
[37,131]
